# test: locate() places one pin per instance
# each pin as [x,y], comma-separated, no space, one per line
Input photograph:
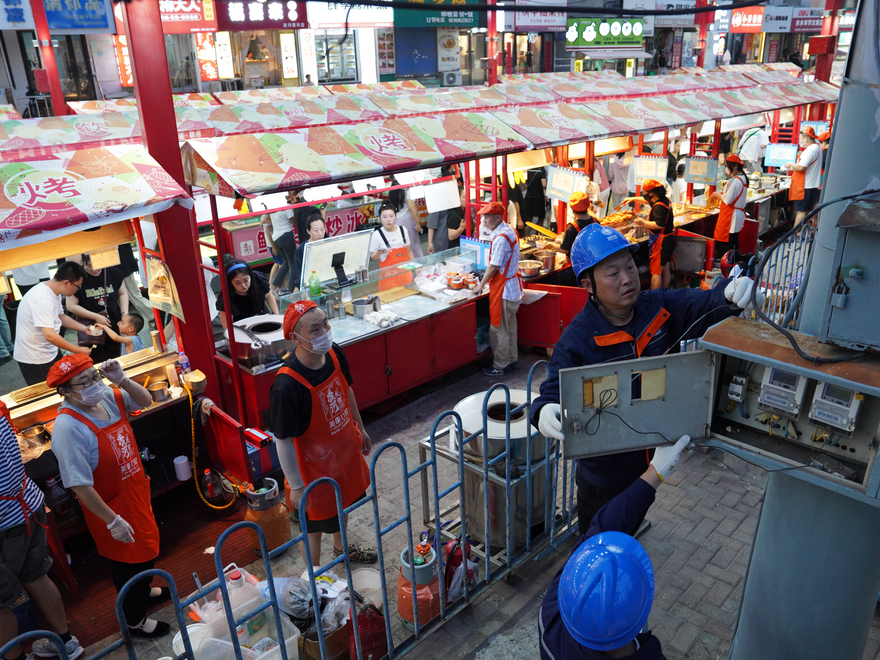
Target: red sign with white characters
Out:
[805,19]
[186,16]
[123,60]
[747,20]
[207,56]
[344,221]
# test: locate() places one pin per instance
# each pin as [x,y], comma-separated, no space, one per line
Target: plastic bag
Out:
[456,587]
[294,596]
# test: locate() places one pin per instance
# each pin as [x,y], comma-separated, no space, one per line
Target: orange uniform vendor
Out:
[733,198]
[661,239]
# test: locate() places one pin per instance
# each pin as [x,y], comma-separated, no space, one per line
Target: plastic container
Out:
[268,511]
[368,583]
[260,631]
[211,488]
[62,504]
[183,361]
[314,285]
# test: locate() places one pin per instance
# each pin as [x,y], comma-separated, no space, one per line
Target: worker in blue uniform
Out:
[598,604]
[620,323]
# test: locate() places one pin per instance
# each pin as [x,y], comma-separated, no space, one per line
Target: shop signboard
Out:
[563,182]
[249,244]
[385,42]
[604,32]
[747,20]
[207,55]
[346,220]
[818,126]
[187,16]
[539,21]
[847,21]
[255,15]
[650,167]
[448,56]
[333,15]
[76,16]
[722,21]
[647,21]
[675,20]
[806,19]
[777,20]
[701,170]
[454,13]
[16,15]
[123,59]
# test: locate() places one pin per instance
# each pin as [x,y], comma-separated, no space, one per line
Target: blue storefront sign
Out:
[79,16]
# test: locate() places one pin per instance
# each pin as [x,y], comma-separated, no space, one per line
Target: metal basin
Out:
[362,307]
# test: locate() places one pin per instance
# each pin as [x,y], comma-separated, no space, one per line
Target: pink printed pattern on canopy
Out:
[739,68]
[696,70]
[97,107]
[50,197]
[543,126]
[789,67]
[249,164]
[27,138]
[8,111]
[644,114]
[283,115]
[527,93]
[194,99]
[771,77]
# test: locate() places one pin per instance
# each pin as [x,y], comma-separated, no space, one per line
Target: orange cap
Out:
[809,132]
[651,184]
[824,137]
[294,313]
[579,202]
[733,158]
[492,208]
[66,368]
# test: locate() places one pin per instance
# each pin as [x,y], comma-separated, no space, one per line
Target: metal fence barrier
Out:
[559,524]
[785,277]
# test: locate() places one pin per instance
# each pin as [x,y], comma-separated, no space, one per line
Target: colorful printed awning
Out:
[317,111]
[96,107]
[28,138]
[526,93]
[791,68]
[75,190]
[8,111]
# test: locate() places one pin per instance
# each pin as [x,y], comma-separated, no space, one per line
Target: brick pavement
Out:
[703,522]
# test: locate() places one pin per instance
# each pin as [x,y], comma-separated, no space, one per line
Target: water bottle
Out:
[211,489]
[314,285]
[184,363]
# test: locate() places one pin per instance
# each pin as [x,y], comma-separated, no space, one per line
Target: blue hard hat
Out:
[606,591]
[593,244]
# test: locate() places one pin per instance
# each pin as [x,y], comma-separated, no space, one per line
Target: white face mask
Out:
[320,345]
[93,394]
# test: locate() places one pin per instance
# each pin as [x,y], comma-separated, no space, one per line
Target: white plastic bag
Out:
[456,587]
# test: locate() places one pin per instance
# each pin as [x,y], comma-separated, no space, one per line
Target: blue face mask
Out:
[320,345]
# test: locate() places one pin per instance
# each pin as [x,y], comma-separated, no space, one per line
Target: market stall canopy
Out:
[270,94]
[616,54]
[558,125]
[645,114]
[46,198]
[688,69]
[789,67]
[191,100]
[258,163]
[8,111]
[28,138]
[739,68]
[195,99]
[361,88]
[526,93]
[771,77]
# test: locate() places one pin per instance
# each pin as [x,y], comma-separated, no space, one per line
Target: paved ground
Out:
[703,523]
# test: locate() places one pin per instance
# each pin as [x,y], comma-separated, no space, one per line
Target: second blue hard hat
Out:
[595,243]
[606,590]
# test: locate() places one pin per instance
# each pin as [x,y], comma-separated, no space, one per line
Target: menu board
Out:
[701,170]
[779,154]
[562,182]
[650,167]
[385,50]
[818,126]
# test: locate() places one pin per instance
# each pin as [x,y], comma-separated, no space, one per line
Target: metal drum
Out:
[260,339]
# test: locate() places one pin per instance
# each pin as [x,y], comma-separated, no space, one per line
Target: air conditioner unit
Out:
[451,78]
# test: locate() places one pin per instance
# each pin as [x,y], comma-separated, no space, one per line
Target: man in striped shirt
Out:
[25,559]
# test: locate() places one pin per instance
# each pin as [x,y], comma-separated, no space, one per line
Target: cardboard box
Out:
[336,643]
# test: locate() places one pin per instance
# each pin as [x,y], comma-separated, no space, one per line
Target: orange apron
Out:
[657,247]
[331,447]
[796,191]
[725,217]
[499,279]
[124,486]
[398,255]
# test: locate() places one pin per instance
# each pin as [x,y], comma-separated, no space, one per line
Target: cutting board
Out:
[387,297]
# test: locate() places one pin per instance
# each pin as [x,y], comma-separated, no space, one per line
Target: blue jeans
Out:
[6,344]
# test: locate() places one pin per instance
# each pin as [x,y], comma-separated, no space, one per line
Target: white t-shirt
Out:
[754,145]
[812,158]
[40,308]
[395,239]
[281,223]
[30,275]
[501,253]
[679,191]
[734,190]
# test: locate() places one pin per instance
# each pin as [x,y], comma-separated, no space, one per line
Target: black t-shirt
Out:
[290,402]
[127,263]
[571,233]
[453,221]
[662,216]
[100,293]
[301,217]
[243,307]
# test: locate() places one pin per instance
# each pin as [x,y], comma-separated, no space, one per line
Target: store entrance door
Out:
[77,82]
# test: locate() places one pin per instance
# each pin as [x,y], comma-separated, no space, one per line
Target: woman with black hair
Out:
[733,198]
[249,292]
[406,219]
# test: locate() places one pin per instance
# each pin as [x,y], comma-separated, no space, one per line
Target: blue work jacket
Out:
[619,515]
[663,318]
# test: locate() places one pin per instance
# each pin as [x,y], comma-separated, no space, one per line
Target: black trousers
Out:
[591,498]
[731,244]
[37,373]
[135,604]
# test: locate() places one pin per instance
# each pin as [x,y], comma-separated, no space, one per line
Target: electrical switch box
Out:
[835,408]
[738,387]
[782,392]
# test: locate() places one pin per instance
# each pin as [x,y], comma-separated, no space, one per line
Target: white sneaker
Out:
[43,648]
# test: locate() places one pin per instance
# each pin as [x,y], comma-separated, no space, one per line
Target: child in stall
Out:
[129,327]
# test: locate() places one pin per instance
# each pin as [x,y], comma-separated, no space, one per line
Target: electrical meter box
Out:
[836,408]
[782,392]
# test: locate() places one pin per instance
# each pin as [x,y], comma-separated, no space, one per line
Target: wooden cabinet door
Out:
[368,363]
[409,354]
[454,337]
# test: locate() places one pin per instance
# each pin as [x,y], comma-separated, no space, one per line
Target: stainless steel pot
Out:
[547,259]
[362,307]
[260,340]
[159,391]
[37,434]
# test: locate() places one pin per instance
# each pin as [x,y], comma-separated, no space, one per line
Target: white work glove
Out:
[666,457]
[121,530]
[739,292]
[112,371]
[550,422]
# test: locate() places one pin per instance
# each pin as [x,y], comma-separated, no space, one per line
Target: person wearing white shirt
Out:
[27,277]
[732,215]
[679,186]
[752,148]
[505,290]
[806,175]
[619,178]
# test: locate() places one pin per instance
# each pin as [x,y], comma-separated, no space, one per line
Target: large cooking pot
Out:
[547,259]
[260,340]
[36,434]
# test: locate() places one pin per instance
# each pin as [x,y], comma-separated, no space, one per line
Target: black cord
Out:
[758,465]
[609,398]
[754,299]
[683,334]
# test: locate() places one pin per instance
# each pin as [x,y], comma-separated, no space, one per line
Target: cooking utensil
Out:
[541,229]
[529,268]
[159,391]
[547,259]
[146,382]
[361,307]
[36,434]
[260,339]
[377,303]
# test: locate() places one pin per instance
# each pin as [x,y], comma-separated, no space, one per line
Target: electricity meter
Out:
[782,392]
[836,406]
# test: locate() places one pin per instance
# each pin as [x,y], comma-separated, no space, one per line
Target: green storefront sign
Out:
[604,32]
[452,13]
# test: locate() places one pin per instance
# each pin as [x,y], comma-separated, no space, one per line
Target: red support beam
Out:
[177,225]
[824,61]
[703,20]
[47,53]
[492,46]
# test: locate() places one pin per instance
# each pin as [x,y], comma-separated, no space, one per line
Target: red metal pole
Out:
[47,53]
[176,226]
[692,151]
[492,47]
[824,61]
[716,150]
[704,21]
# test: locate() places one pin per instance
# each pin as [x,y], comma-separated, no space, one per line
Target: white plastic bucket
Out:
[368,583]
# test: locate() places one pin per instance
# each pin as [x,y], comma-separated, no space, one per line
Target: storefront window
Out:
[259,53]
[182,66]
[72,62]
[337,63]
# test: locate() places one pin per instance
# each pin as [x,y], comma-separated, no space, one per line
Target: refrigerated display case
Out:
[337,63]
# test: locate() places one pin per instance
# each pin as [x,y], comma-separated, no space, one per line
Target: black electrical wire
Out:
[609,398]
[766,469]
[754,299]
[569,9]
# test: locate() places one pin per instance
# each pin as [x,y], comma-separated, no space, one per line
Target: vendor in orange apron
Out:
[504,300]
[805,175]
[389,245]
[319,428]
[115,496]
[733,206]
[661,228]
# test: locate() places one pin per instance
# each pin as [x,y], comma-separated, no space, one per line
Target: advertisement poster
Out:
[223,48]
[779,153]
[161,288]
[748,20]
[604,32]
[126,76]
[332,15]
[16,15]
[207,56]
[288,55]
[777,19]
[539,21]
[701,170]
[650,167]
[448,57]
[385,38]
[344,221]
[77,16]
[187,16]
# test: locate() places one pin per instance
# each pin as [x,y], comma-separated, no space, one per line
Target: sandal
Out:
[358,553]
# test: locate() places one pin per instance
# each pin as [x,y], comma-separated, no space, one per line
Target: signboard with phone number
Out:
[650,167]
[562,182]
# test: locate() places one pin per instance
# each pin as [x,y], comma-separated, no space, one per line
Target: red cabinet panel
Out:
[367,361]
[571,301]
[540,323]
[409,356]
[455,338]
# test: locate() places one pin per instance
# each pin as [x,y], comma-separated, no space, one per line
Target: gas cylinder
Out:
[266,509]
[423,572]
